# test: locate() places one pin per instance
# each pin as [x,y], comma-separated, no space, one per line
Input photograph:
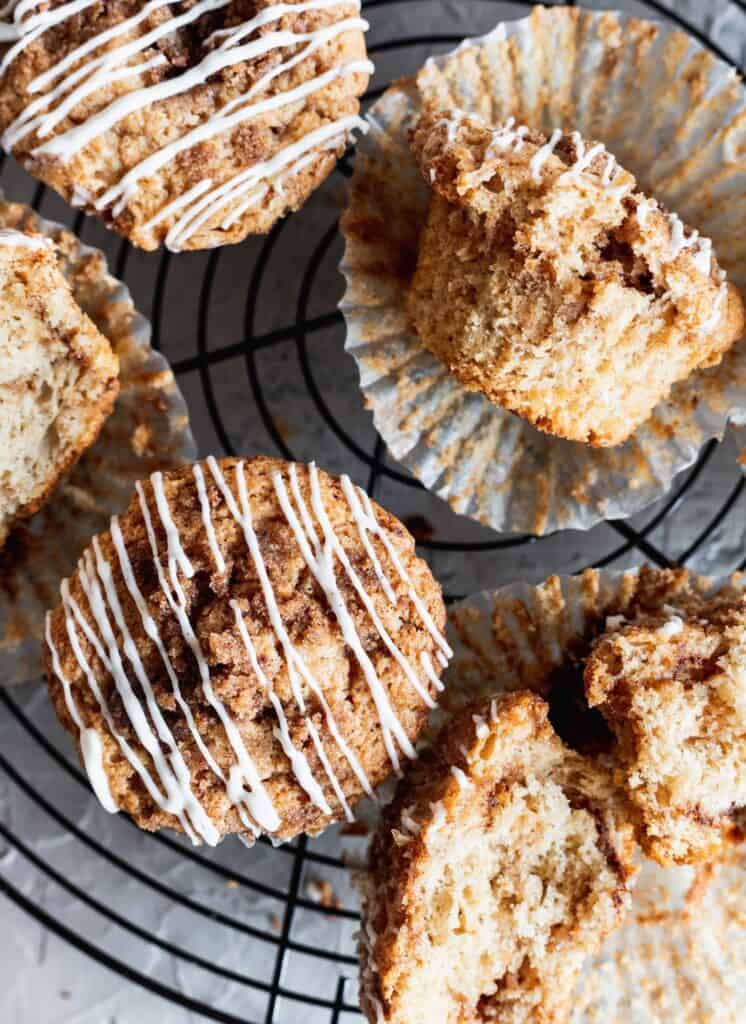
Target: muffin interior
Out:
[505,865]
[674,694]
[58,379]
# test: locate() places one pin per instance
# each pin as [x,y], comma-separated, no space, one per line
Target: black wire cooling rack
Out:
[256,342]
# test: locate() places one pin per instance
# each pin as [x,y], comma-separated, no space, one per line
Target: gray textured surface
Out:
[44,980]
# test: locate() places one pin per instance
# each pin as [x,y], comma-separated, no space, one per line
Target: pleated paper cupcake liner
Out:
[148,430]
[680,956]
[676,117]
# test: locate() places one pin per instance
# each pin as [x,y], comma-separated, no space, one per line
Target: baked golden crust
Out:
[672,687]
[502,862]
[278,712]
[572,300]
[58,381]
[328,80]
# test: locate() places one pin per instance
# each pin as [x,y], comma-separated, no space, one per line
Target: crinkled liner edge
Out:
[484,602]
[585,517]
[112,291]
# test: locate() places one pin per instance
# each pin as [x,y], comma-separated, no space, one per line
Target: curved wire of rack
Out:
[289,898]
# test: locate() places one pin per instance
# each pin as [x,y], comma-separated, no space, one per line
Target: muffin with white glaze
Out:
[190,123]
[250,648]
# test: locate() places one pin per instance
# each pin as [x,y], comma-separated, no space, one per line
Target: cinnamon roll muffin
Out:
[193,123]
[250,648]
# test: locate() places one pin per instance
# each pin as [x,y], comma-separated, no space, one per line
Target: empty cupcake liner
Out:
[674,115]
[680,956]
[148,430]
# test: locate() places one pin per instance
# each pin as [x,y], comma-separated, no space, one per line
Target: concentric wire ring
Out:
[270,978]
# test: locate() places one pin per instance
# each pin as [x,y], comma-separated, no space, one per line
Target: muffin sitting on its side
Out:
[250,648]
[572,300]
[501,864]
[673,690]
[58,376]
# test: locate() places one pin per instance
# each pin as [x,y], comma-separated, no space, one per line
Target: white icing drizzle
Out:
[297,759]
[214,200]
[430,672]
[583,158]
[511,137]
[673,627]
[26,30]
[61,89]
[204,506]
[92,752]
[506,137]
[720,301]
[609,169]
[321,564]
[452,124]
[18,240]
[324,565]
[170,786]
[256,798]
[296,665]
[154,635]
[170,803]
[644,208]
[463,781]
[90,742]
[542,154]
[702,255]
[71,622]
[700,246]
[366,522]
[481,727]
[177,779]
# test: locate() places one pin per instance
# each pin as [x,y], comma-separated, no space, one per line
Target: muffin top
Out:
[193,123]
[250,648]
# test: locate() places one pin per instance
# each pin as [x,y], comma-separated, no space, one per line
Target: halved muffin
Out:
[503,861]
[673,690]
[58,376]
[572,300]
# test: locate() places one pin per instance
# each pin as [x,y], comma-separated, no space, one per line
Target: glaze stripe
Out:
[91,747]
[63,87]
[242,781]
[256,798]
[294,661]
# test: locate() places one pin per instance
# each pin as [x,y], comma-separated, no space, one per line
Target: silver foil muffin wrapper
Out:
[674,115]
[148,430]
[680,956]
